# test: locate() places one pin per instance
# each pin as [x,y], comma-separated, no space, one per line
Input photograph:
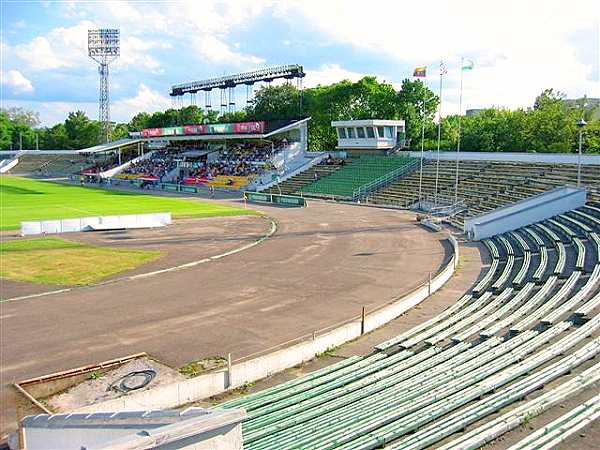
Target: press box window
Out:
[342,133]
[351,133]
[370,133]
[380,132]
[360,131]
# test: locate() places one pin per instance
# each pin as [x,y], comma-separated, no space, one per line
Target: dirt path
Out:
[321,267]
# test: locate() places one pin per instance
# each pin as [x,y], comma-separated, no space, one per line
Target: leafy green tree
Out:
[418,105]
[591,137]
[276,103]
[190,115]
[237,116]
[55,138]
[81,131]
[551,124]
[5,131]
[140,121]
[120,131]
[23,116]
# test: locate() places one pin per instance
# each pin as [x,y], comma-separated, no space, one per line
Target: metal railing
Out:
[384,180]
[440,205]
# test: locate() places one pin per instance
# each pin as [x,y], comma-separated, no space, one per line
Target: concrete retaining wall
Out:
[254,369]
[550,158]
[525,212]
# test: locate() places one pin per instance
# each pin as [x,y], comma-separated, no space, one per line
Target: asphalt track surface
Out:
[320,268]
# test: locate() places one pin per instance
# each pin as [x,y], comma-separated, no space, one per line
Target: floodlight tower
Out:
[104,48]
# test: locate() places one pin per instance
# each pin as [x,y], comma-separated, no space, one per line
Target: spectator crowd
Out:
[240,159]
[157,166]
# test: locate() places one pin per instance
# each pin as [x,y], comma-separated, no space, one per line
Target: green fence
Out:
[283,200]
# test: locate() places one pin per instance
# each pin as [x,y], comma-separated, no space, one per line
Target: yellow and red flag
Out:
[420,72]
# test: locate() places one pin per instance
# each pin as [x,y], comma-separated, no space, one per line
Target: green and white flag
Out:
[467,65]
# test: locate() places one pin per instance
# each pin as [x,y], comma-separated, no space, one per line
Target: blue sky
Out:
[519,48]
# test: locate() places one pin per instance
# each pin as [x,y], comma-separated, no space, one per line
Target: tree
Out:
[551,124]
[81,132]
[55,138]
[140,121]
[120,131]
[275,103]
[236,116]
[418,104]
[190,115]
[5,130]
[547,127]
[23,116]
[591,137]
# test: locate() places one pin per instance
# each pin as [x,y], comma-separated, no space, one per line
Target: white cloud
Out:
[135,51]
[52,113]
[329,73]
[61,47]
[205,25]
[216,51]
[146,99]
[519,47]
[16,82]
[122,110]
[333,73]
[67,47]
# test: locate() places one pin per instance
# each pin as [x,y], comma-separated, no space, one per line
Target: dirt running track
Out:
[323,264]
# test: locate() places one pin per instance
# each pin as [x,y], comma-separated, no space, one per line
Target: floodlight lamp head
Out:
[104,44]
[581,123]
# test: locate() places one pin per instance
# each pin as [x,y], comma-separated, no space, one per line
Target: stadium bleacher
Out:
[296,183]
[356,172]
[51,164]
[525,324]
[486,185]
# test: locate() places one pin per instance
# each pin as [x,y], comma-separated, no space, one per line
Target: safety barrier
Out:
[95,223]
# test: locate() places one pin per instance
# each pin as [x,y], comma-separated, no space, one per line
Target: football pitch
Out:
[23,199]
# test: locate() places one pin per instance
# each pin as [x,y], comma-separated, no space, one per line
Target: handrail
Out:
[383,180]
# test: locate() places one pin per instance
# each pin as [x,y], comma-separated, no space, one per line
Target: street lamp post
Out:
[580,124]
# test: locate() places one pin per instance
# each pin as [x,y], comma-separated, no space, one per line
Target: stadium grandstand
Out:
[461,379]
[227,156]
[532,319]
[339,247]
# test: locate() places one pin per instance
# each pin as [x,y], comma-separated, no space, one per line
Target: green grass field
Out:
[52,260]
[22,199]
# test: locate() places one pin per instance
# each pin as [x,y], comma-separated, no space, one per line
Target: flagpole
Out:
[422,151]
[462,61]
[439,136]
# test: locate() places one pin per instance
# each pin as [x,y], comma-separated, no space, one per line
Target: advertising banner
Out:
[257,127]
[220,128]
[194,129]
[249,127]
[284,200]
[152,132]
